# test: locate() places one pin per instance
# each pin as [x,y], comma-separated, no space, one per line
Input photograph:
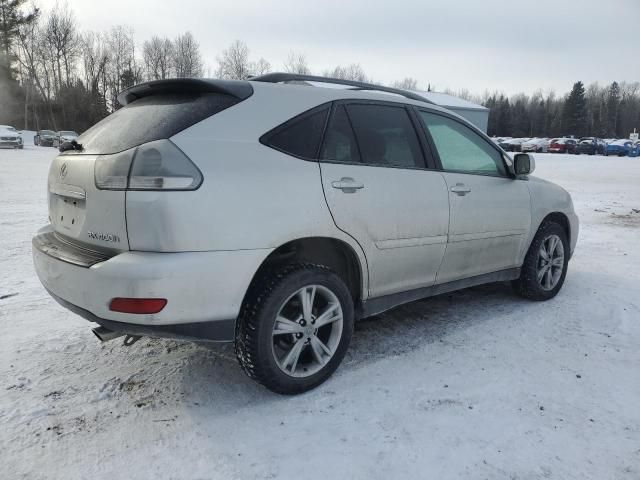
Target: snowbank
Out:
[475,384]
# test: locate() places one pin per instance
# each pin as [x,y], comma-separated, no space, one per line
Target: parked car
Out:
[64,136]
[538,145]
[44,138]
[619,147]
[513,145]
[309,209]
[562,145]
[10,137]
[499,140]
[590,146]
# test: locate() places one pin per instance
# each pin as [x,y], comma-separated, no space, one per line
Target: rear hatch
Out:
[80,212]
[95,218]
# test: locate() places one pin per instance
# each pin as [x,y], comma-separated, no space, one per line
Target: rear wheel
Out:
[545,265]
[295,328]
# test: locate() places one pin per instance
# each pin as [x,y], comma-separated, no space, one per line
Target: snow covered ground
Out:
[476,384]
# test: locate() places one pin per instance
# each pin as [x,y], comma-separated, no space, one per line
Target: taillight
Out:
[158,165]
[112,171]
[137,306]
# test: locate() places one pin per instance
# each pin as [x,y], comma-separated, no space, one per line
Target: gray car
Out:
[10,137]
[275,215]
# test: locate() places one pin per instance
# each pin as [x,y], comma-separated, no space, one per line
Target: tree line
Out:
[611,111]
[55,75]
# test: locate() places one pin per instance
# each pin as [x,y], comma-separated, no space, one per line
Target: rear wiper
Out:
[72,145]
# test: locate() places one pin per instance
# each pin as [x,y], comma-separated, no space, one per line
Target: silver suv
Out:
[275,214]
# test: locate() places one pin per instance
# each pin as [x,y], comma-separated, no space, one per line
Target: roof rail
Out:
[279,77]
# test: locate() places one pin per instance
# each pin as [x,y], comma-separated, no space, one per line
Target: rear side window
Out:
[385,135]
[300,136]
[151,118]
[340,143]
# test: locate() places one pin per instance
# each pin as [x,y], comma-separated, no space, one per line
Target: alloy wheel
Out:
[550,262]
[307,331]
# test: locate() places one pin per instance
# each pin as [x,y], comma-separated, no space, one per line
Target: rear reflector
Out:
[137,305]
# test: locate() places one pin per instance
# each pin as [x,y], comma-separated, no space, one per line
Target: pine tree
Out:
[520,117]
[613,106]
[574,114]
[503,122]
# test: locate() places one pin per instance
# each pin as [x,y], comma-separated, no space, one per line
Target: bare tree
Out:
[297,63]
[187,61]
[234,64]
[33,56]
[406,83]
[260,67]
[95,57]
[350,72]
[121,68]
[61,40]
[158,58]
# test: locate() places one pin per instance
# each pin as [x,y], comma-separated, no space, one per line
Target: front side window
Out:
[300,136]
[385,135]
[460,148]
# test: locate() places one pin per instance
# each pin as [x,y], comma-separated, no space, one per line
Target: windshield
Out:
[47,132]
[68,134]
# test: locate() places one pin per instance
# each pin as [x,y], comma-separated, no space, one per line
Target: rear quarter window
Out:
[151,118]
[300,136]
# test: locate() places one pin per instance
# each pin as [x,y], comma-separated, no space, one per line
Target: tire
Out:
[529,285]
[263,350]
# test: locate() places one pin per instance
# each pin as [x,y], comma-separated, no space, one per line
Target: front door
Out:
[490,212]
[380,193]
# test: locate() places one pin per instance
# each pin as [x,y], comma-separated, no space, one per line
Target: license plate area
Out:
[68,210]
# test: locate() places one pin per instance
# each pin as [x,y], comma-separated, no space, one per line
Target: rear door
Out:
[380,192]
[490,212]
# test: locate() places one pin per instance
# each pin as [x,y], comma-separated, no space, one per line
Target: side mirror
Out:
[524,164]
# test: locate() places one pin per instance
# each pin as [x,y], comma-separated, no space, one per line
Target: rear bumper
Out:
[213,331]
[200,287]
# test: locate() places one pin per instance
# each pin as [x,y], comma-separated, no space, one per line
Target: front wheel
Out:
[545,265]
[295,328]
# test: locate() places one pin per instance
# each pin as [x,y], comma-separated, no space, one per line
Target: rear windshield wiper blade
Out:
[72,145]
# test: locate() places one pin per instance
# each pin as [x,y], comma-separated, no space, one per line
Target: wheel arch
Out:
[336,254]
[561,219]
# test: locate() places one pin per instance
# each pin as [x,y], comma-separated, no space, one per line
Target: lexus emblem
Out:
[63,170]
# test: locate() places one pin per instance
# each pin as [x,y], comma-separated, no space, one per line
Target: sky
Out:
[479,45]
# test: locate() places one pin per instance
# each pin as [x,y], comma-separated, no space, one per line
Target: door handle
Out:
[347,185]
[460,189]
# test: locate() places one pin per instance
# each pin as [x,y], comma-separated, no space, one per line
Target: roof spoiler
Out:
[279,77]
[239,89]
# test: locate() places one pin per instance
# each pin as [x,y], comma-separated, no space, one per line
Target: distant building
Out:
[476,114]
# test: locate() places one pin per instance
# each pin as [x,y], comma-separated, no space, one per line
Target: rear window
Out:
[151,118]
